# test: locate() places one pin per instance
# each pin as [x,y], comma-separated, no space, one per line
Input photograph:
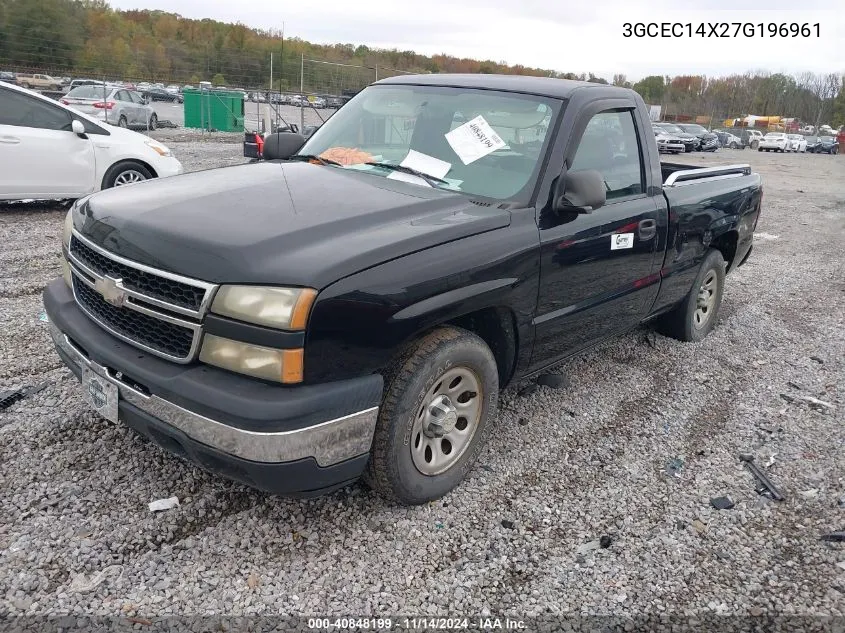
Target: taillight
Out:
[64,101]
[104,105]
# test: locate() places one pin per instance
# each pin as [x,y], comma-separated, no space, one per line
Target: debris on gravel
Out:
[77,537]
[553,381]
[722,503]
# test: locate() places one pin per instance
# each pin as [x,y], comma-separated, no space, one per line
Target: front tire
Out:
[439,407]
[126,173]
[153,122]
[696,316]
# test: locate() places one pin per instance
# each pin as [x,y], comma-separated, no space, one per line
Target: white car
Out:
[775,141]
[668,143]
[799,143]
[50,151]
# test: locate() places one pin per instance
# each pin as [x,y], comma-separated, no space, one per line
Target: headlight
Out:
[157,147]
[283,308]
[279,365]
[68,228]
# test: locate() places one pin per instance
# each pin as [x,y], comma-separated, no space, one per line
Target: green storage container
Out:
[220,110]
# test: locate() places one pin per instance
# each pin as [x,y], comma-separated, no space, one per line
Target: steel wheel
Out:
[706,301]
[128,177]
[447,421]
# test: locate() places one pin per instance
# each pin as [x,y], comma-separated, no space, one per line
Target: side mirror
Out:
[282,145]
[580,191]
[78,128]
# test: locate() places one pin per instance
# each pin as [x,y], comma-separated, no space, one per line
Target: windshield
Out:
[480,142]
[88,92]
[693,129]
[672,129]
[775,136]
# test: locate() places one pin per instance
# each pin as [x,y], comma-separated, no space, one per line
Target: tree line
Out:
[89,38]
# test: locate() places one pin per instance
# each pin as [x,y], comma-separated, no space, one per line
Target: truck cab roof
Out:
[544,86]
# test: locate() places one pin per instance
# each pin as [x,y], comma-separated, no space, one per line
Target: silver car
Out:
[112,104]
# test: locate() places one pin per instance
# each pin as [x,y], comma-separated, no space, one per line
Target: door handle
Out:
[647,229]
[9,140]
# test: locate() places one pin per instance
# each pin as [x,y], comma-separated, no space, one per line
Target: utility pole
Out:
[271,70]
[282,63]
[302,94]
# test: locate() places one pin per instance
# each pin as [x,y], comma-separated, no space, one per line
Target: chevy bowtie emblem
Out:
[111,291]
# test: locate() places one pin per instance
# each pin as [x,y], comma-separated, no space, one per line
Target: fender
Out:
[360,323]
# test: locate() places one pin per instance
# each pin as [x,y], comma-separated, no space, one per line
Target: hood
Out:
[277,223]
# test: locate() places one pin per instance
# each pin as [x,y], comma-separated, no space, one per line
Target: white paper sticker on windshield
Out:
[474,139]
[423,163]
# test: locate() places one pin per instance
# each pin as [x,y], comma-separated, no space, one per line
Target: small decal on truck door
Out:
[621,240]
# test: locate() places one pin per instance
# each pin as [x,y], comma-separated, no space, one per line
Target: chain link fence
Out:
[298,91]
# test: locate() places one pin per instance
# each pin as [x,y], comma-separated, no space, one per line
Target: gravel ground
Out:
[646,432]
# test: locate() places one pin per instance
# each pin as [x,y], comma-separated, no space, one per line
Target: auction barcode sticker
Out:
[474,139]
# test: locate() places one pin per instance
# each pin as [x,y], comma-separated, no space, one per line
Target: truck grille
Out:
[161,288]
[160,336]
[155,310]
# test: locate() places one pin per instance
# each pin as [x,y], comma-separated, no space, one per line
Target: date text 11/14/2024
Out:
[417,623]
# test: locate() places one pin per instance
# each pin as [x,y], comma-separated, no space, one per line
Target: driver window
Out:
[610,146]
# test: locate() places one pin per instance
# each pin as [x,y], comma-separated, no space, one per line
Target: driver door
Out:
[598,270]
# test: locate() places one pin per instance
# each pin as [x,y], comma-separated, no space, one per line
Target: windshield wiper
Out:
[432,180]
[319,159]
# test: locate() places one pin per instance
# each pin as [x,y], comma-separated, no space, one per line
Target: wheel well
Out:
[123,162]
[726,244]
[497,328]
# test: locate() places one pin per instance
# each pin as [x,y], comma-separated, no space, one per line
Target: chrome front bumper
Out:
[329,442]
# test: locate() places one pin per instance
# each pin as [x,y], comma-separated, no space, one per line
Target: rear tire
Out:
[424,445]
[125,173]
[696,316]
[121,122]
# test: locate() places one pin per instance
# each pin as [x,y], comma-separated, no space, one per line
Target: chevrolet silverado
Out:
[352,305]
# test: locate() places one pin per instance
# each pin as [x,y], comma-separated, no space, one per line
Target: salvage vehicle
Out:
[112,104]
[775,142]
[37,81]
[797,143]
[729,139]
[827,145]
[353,304]
[668,144]
[691,142]
[50,151]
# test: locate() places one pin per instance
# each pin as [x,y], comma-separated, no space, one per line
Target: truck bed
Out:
[676,174]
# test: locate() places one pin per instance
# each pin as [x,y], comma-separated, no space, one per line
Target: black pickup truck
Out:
[353,305]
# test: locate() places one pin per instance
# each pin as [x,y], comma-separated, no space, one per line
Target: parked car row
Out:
[781,142]
[316,101]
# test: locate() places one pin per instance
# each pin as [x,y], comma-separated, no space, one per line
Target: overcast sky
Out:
[557,34]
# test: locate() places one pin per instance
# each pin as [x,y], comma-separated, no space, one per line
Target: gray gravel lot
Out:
[646,433]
